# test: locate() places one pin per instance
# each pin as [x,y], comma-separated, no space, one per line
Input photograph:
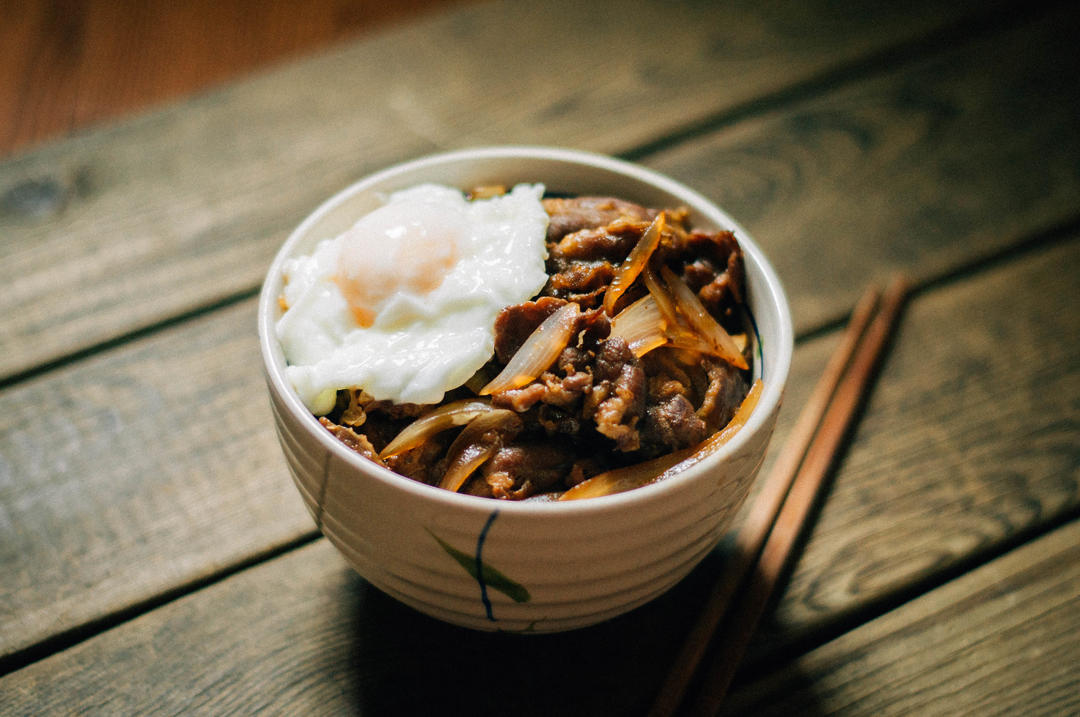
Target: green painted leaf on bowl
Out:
[489,576]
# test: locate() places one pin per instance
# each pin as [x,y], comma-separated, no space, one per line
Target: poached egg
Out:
[402,305]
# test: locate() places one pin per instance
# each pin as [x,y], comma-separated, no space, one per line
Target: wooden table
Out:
[156,557]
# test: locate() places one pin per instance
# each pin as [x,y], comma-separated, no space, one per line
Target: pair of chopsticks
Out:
[776,519]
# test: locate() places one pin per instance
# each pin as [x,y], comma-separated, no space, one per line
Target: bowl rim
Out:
[769,401]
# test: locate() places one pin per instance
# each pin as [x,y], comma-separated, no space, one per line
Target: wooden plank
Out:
[968,442]
[304,635]
[301,633]
[888,502]
[921,169]
[1001,640]
[167,471]
[198,432]
[95,60]
[195,198]
[138,471]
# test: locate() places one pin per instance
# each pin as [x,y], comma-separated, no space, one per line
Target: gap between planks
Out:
[69,638]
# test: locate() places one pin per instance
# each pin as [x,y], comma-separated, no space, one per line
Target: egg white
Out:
[419,345]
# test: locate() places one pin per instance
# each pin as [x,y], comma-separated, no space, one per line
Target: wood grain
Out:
[189,203]
[136,472]
[70,65]
[920,169]
[968,442]
[301,633]
[1001,640]
[184,468]
[306,635]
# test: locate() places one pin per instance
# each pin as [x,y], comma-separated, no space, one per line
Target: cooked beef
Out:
[519,399]
[583,282]
[582,261]
[582,264]
[669,375]
[671,424]
[523,469]
[712,266]
[356,441]
[567,390]
[514,324]
[598,406]
[559,422]
[421,463]
[607,243]
[617,398]
[593,327]
[574,213]
[562,388]
[727,387]
[379,428]
[397,411]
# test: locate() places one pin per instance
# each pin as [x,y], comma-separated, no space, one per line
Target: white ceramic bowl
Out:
[534,566]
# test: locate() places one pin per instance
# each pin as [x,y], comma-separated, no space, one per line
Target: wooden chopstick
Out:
[820,456]
[821,426]
[759,521]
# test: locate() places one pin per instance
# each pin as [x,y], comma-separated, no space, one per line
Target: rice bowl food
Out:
[534,326]
[511,345]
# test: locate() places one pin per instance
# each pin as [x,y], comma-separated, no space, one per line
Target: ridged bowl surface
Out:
[526,567]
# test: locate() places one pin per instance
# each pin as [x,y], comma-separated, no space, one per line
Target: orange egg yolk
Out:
[399,249]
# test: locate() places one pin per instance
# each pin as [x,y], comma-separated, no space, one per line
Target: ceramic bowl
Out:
[532,566]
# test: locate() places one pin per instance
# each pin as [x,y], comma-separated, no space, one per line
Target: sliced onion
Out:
[641,325]
[627,478]
[678,333]
[647,343]
[634,263]
[682,338]
[464,465]
[453,414]
[466,454]
[635,476]
[702,321]
[662,296]
[538,352]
